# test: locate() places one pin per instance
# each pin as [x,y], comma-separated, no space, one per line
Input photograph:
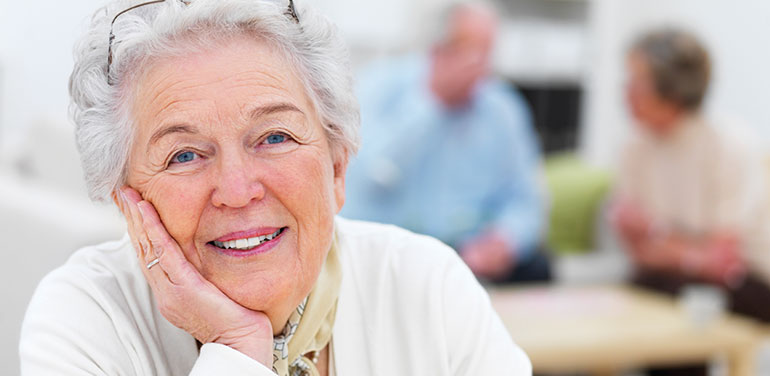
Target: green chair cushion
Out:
[577,191]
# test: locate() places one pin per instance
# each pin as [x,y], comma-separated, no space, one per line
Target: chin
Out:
[259,282]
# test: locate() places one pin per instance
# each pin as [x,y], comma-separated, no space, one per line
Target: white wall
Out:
[736,33]
[45,216]
[36,40]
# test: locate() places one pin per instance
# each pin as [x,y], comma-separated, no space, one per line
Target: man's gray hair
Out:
[440,25]
[100,107]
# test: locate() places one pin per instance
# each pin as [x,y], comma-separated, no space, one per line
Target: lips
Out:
[244,243]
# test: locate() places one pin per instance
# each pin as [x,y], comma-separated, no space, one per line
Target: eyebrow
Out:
[169,130]
[255,114]
[272,108]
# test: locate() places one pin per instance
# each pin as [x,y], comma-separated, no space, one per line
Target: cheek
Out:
[635,104]
[179,202]
[641,104]
[307,191]
[308,188]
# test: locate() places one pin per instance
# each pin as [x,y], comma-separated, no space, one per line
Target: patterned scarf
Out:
[309,328]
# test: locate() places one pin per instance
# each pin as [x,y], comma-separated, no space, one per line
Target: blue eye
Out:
[276,138]
[184,157]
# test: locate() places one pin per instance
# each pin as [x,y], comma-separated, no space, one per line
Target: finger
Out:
[137,227]
[125,209]
[134,227]
[172,260]
[157,279]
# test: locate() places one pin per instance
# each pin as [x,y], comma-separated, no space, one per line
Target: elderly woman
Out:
[222,131]
[692,204]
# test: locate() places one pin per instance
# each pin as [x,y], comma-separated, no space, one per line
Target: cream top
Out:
[700,180]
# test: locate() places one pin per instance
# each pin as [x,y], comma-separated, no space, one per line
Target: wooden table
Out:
[605,330]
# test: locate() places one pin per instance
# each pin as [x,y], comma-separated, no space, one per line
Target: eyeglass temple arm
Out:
[292,12]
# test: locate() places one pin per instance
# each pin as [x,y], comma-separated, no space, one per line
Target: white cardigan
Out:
[407,306]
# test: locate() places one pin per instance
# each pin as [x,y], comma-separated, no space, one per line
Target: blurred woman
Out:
[692,204]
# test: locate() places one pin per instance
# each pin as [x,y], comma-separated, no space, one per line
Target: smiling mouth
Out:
[248,243]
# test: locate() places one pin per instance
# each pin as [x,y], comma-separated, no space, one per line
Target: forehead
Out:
[234,74]
[472,26]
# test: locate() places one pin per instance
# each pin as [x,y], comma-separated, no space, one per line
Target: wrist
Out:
[691,262]
[255,344]
[254,350]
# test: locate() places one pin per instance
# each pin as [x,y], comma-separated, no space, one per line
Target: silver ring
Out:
[153,263]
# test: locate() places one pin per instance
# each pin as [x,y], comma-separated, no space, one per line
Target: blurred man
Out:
[692,203]
[450,152]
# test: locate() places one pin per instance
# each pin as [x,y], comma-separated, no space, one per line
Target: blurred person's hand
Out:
[630,220]
[489,256]
[455,73]
[659,252]
[723,262]
[715,258]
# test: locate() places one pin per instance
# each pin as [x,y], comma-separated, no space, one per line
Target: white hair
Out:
[440,25]
[100,105]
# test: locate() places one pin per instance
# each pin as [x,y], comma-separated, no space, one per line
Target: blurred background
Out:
[565,56]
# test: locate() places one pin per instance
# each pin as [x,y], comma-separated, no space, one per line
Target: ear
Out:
[340,167]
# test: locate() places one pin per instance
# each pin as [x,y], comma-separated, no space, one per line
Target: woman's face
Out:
[654,113]
[230,151]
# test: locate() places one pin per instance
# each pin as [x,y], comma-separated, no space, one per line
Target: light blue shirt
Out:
[451,174]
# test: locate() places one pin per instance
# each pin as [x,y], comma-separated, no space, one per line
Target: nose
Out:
[237,182]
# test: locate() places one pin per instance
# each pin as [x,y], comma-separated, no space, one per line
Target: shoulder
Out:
[395,281]
[392,266]
[374,245]
[87,291]
[105,274]
[498,93]
[505,109]
[735,138]
[395,272]
[94,312]
[93,273]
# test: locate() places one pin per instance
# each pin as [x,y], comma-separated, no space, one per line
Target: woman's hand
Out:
[723,262]
[629,220]
[184,297]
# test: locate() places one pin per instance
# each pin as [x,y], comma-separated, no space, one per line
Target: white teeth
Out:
[244,244]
